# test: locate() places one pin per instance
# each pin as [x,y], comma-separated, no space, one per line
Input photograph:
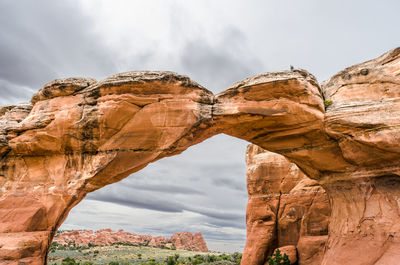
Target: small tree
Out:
[69,261]
[170,260]
[237,257]
[278,259]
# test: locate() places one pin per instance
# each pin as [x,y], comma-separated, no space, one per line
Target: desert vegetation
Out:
[278,259]
[124,254]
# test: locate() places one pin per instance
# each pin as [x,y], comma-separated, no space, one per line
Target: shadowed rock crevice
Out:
[79,135]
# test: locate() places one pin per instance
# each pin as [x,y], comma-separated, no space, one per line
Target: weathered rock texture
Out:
[286,210]
[364,120]
[184,240]
[79,135]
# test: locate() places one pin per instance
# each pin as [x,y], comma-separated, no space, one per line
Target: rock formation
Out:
[188,241]
[185,240]
[78,135]
[286,210]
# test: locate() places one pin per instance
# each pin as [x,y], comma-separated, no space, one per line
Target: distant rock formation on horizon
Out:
[103,237]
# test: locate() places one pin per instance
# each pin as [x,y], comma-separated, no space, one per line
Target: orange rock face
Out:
[364,119]
[286,210]
[185,240]
[79,135]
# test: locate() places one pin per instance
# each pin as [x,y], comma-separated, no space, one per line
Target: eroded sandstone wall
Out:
[78,135]
[364,119]
[285,210]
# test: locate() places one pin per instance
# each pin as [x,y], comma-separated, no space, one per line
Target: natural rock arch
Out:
[80,135]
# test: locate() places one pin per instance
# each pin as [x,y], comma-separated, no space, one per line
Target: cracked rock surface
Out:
[285,210]
[78,135]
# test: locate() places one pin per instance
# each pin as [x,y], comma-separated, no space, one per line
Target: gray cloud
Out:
[13,93]
[226,236]
[153,201]
[44,40]
[217,213]
[145,201]
[229,183]
[164,188]
[238,223]
[222,63]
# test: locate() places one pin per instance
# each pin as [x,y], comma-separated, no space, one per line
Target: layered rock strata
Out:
[78,135]
[286,210]
[103,237]
[364,120]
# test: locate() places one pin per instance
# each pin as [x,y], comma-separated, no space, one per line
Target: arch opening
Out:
[202,190]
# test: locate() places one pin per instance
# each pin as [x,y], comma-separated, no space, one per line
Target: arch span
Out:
[79,135]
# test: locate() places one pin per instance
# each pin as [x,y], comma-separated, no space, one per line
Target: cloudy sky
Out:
[216,43]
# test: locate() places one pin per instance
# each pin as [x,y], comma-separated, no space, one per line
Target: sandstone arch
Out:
[79,135]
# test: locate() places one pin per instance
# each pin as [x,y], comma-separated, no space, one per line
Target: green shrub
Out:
[278,259]
[171,260]
[69,261]
[327,103]
[224,257]
[113,263]
[210,258]
[196,261]
[151,262]
[237,257]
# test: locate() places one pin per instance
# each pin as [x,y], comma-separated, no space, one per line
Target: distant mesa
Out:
[104,237]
